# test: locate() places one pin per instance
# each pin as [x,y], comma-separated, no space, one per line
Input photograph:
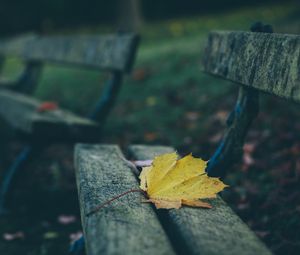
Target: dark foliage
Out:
[20,16]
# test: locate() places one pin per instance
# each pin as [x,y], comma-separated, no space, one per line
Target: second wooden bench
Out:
[42,124]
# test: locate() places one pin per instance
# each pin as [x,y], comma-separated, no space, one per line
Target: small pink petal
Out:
[247,159]
[13,236]
[249,147]
[221,116]
[66,219]
[142,163]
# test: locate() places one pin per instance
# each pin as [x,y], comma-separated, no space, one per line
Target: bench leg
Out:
[10,175]
[246,109]
[231,147]
[77,248]
[108,98]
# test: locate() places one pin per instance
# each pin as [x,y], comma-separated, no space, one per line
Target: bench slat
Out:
[21,113]
[126,226]
[267,62]
[206,231]
[113,52]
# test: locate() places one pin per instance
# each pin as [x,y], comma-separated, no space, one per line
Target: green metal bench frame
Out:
[112,53]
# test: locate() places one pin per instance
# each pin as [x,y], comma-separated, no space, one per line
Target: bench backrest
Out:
[265,61]
[109,52]
[115,53]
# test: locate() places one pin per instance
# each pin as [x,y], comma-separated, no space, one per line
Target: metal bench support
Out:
[231,147]
[246,109]
[28,80]
[107,99]
[11,173]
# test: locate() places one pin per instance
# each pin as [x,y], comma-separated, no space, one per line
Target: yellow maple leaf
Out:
[171,183]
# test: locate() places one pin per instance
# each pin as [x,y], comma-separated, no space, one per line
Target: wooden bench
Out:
[128,226]
[112,53]
[257,62]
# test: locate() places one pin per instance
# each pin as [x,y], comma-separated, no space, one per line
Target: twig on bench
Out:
[131,165]
[97,208]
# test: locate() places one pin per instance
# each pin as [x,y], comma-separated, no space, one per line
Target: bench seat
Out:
[127,226]
[21,112]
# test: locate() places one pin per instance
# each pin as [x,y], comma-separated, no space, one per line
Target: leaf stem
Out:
[97,208]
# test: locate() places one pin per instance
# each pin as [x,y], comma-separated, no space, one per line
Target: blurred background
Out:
[49,16]
[165,100]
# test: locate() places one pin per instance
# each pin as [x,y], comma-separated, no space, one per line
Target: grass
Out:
[167,100]
[164,52]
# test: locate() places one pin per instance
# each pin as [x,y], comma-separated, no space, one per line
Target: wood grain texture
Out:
[126,226]
[205,231]
[21,113]
[112,52]
[268,62]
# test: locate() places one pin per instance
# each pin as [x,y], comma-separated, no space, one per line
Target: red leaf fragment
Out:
[47,106]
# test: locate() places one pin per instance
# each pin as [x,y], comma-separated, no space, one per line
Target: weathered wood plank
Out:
[200,231]
[21,113]
[113,52]
[268,62]
[126,226]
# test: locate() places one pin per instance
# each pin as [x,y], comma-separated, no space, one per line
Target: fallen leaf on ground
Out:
[150,136]
[50,235]
[13,236]
[66,219]
[140,74]
[248,160]
[249,147]
[221,116]
[171,183]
